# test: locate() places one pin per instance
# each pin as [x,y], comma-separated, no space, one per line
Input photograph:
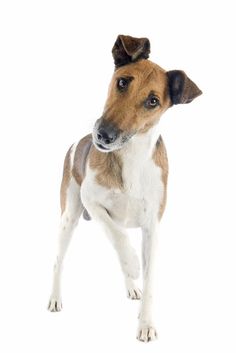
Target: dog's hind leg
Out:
[72,208]
[146,328]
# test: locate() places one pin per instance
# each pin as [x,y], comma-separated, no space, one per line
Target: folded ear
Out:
[181,88]
[129,49]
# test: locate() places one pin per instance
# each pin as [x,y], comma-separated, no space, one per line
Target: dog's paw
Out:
[55,305]
[134,293]
[146,334]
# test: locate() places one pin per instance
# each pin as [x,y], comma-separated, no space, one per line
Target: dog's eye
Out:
[151,102]
[122,83]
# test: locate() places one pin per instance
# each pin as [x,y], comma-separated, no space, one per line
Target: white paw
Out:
[134,293]
[55,304]
[130,264]
[147,334]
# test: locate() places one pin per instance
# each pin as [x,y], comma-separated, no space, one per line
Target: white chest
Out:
[142,194]
[140,197]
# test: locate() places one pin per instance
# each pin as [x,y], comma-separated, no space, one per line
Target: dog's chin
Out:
[114,147]
[117,145]
[106,149]
[101,148]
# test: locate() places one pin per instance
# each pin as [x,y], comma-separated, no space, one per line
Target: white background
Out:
[55,66]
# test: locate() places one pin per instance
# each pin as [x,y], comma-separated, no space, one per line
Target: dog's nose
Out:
[106,136]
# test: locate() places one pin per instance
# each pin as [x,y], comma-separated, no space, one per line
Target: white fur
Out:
[69,221]
[143,187]
[136,205]
[72,153]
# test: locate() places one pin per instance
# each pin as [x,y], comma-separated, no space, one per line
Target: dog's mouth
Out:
[100,147]
[109,138]
[117,145]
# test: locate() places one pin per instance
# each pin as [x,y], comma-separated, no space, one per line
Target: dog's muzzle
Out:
[105,135]
[108,137]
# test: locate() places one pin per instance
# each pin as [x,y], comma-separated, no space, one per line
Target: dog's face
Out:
[140,92]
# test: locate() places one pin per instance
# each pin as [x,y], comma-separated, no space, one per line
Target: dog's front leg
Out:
[126,254]
[146,329]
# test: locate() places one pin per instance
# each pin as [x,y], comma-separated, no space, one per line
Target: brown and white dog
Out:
[118,174]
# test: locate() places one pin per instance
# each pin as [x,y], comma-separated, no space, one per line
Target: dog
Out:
[118,174]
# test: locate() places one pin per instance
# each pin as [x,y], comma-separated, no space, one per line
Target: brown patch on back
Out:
[108,167]
[65,180]
[80,158]
[77,169]
[160,159]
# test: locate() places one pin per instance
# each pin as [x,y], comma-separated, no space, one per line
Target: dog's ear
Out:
[129,49]
[181,88]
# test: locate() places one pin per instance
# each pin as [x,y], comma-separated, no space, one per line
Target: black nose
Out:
[107,135]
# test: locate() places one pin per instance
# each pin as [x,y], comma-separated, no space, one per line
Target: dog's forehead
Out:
[143,69]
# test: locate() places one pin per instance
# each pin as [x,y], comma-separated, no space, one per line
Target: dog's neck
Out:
[141,145]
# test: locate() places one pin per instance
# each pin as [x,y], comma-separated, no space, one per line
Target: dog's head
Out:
[140,92]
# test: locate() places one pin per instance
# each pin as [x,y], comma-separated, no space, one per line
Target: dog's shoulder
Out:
[80,157]
[160,155]
[161,160]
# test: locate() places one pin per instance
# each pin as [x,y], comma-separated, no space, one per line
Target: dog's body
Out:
[118,175]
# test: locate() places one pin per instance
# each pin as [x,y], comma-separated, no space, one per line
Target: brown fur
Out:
[77,170]
[161,160]
[129,49]
[108,167]
[125,109]
[80,158]
[182,90]
[65,180]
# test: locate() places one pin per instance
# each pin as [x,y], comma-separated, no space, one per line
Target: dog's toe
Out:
[55,305]
[134,293]
[147,334]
